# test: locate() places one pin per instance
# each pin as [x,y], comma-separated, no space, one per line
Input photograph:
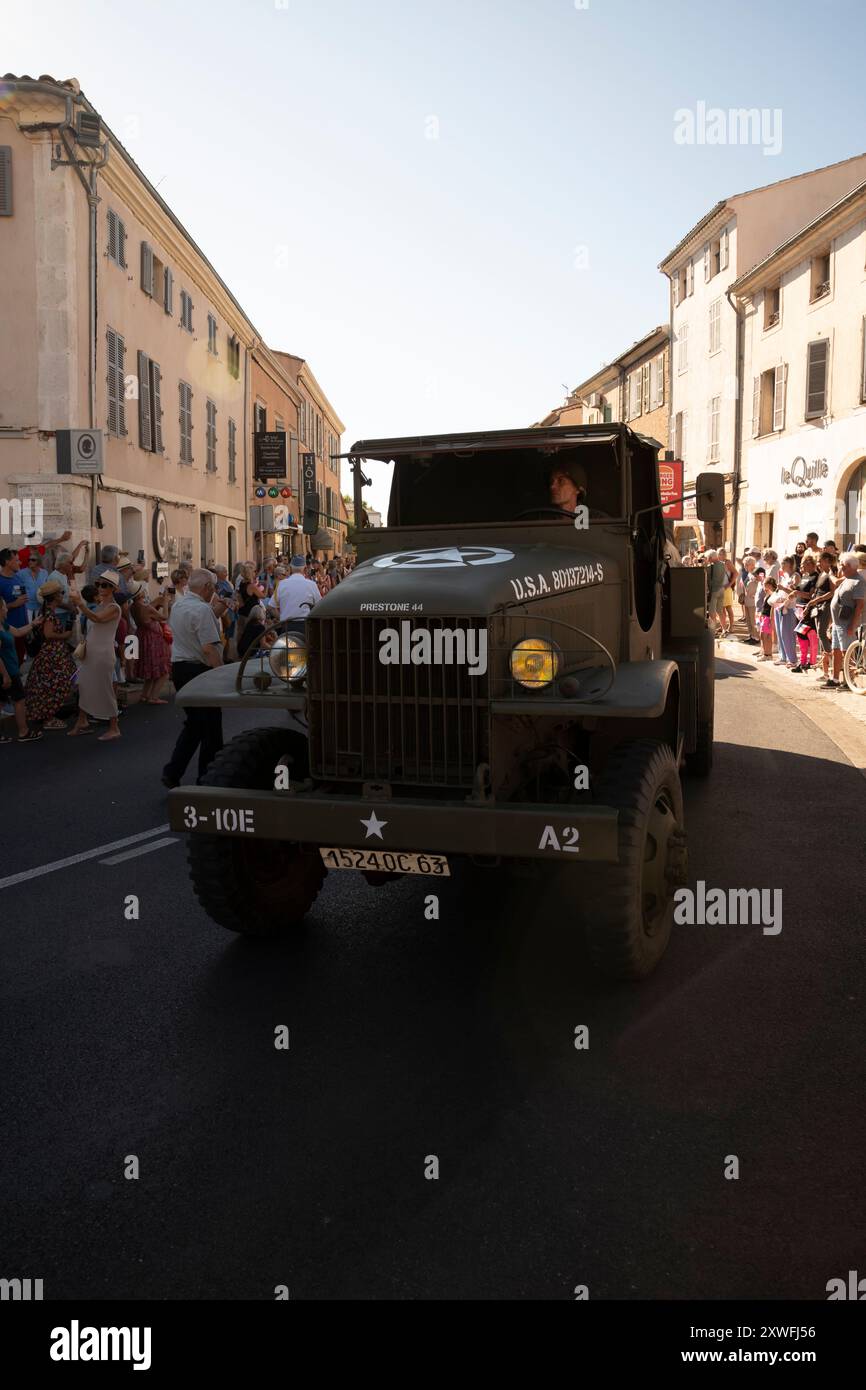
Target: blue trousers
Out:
[785,624]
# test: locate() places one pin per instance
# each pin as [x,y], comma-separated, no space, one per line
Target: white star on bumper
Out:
[374,826]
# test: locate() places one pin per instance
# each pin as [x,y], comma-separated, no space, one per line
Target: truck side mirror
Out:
[710,497]
[311,514]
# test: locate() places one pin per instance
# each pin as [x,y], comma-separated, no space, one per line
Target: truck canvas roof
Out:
[544,440]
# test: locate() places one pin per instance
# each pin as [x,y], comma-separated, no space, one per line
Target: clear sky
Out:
[461,281]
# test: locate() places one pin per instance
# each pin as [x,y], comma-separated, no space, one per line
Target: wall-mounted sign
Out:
[270,454]
[803,476]
[262,518]
[160,569]
[160,534]
[308,473]
[79,451]
[671,485]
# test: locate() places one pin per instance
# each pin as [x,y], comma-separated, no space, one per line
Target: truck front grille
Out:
[416,725]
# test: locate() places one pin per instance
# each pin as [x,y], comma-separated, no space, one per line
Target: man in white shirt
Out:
[196,647]
[296,595]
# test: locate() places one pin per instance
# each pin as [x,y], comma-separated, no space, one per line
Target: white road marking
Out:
[79,858]
[142,849]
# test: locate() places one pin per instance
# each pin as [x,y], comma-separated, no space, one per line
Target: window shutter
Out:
[675,287]
[707,261]
[147,268]
[756,406]
[145,433]
[710,432]
[685,432]
[690,276]
[121,243]
[112,236]
[113,404]
[5,180]
[168,290]
[723,250]
[156,406]
[646,387]
[779,396]
[863,365]
[660,381]
[816,378]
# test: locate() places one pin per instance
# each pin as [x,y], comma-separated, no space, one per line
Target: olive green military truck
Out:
[514,674]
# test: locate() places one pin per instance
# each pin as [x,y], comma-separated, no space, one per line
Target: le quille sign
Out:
[671,485]
[803,476]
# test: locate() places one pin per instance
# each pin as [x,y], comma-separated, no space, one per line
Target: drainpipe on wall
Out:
[738,420]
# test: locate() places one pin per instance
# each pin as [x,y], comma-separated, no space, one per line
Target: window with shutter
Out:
[168,290]
[185,393]
[707,261]
[659,398]
[781,377]
[817,355]
[723,250]
[5,180]
[644,389]
[690,276]
[713,430]
[211,437]
[675,287]
[156,406]
[683,348]
[116,406]
[756,406]
[147,268]
[232,451]
[716,325]
[145,427]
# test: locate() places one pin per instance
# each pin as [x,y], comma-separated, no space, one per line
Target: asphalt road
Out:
[411,1038]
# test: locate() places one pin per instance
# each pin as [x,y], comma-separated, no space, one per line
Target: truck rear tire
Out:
[629,922]
[256,887]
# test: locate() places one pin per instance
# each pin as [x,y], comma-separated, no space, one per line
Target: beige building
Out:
[319,433]
[803,442]
[706,398]
[121,326]
[631,389]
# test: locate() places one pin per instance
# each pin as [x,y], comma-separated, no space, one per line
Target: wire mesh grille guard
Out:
[424,725]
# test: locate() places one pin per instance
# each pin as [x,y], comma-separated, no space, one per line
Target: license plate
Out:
[386,861]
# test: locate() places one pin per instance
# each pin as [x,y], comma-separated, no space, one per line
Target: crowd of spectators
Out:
[66,649]
[801,611]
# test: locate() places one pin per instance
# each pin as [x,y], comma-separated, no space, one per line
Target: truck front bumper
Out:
[509,830]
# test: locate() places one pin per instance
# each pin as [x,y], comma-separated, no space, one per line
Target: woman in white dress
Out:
[96,673]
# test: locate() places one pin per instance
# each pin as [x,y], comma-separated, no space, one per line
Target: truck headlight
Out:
[535,662]
[288,657]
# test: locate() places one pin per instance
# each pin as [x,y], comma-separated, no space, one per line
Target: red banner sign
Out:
[671,485]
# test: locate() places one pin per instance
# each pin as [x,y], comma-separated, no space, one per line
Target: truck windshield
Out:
[496,486]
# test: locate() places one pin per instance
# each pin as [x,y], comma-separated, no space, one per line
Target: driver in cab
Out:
[567,487]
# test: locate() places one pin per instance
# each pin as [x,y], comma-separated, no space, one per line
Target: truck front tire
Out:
[255,887]
[630,913]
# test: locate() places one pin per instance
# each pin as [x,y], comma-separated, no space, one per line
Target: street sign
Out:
[671,485]
[270,454]
[262,518]
[79,451]
[308,470]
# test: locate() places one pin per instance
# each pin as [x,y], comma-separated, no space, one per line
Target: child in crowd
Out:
[765,615]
